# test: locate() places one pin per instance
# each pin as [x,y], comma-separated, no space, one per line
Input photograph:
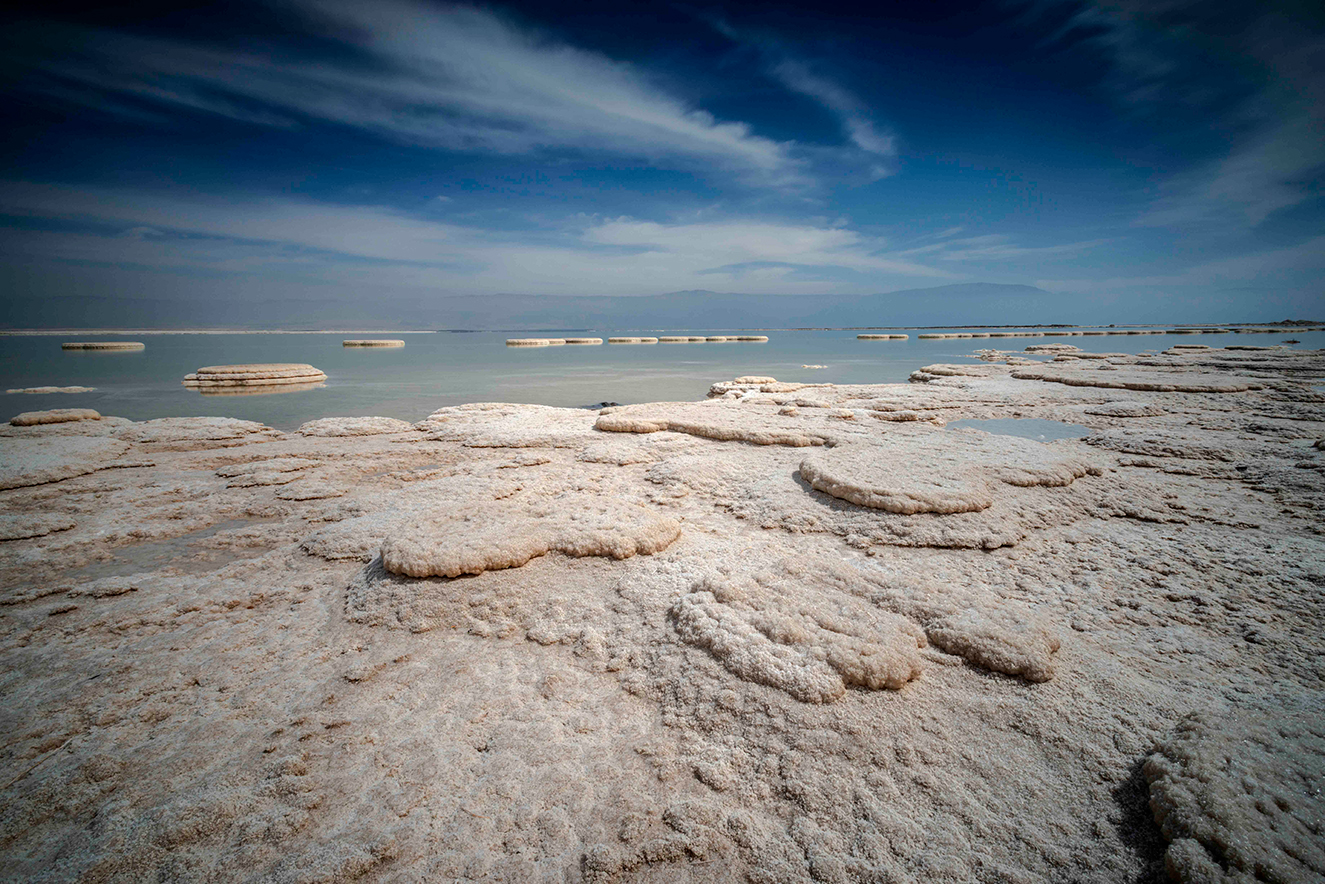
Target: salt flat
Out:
[792,632]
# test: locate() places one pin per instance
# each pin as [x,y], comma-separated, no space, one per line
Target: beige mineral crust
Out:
[793,632]
[54,416]
[225,377]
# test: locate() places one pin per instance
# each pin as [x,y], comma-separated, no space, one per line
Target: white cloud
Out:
[340,243]
[855,116]
[1250,72]
[449,77]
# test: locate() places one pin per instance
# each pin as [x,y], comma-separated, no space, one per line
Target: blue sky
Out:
[1159,159]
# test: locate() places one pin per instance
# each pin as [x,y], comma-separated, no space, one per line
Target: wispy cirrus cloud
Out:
[1250,77]
[579,255]
[453,77]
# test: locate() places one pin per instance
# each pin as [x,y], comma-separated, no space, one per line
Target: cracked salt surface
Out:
[1026,427]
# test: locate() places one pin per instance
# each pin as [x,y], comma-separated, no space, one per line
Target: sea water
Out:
[434,369]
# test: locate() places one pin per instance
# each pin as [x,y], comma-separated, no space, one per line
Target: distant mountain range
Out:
[965,304]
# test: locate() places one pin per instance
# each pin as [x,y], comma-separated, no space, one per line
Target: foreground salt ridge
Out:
[209,655]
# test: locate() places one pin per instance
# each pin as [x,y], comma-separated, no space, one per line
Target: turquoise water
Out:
[1026,427]
[447,368]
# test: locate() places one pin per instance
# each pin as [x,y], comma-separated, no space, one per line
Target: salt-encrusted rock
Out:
[811,654]
[961,475]
[21,526]
[255,375]
[722,420]
[189,433]
[40,391]
[1125,409]
[102,345]
[54,416]
[373,342]
[507,535]
[1238,794]
[40,460]
[354,426]
[1173,382]
[1008,641]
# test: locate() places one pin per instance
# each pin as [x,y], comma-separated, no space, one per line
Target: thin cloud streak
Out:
[456,78]
[582,256]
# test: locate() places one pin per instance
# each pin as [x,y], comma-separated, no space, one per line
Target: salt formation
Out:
[54,416]
[667,654]
[221,378]
[378,342]
[889,337]
[629,340]
[47,390]
[1237,794]
[102,345]
[354,426]
[584,341]
[528,342]
[488,539]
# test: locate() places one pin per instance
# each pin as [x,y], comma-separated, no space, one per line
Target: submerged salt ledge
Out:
[796,631]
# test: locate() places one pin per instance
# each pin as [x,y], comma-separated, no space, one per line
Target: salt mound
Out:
[1238,795]
[811,653]
[189,433]
[38,461]
[674,339]
[584,341]
[1125,409]
[998,640]
[880,337]
[717,339]
[255,375]
[632,340]
[960,475]
[47,390]
[1053,348]
[757,339]
[527,342]
[54,416]
[1149,381]
[102,345]
[21,526]
[354,426]
[380,342]
[506,534]
[755,379]
[722,420]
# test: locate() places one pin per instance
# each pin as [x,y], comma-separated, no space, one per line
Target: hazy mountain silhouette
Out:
[970,303]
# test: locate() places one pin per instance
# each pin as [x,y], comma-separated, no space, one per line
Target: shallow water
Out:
[1026,427]
[447,368]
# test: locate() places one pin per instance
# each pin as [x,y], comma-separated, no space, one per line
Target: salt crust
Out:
[48,390]
[54,416]
[373,342]
[253,375]
[507,535]
[961,475]
[354,426]
[26,462]
[186,669]
[1238,794]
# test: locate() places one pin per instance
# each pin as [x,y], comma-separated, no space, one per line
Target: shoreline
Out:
[734,637]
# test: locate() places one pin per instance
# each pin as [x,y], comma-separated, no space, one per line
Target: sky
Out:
[1154,159]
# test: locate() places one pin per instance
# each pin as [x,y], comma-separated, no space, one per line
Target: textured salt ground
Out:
[211,675]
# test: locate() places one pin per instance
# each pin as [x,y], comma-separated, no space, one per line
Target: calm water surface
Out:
[448,368]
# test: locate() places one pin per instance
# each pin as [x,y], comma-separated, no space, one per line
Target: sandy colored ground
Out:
[792,633]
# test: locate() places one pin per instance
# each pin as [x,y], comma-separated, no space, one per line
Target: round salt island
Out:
[373,343]
[108,346]
[269,377]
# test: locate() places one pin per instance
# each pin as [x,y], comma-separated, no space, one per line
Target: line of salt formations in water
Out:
[882,337]
[273,377]
[374,342]
[103,345]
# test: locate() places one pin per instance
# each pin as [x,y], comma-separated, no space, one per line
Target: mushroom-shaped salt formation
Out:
[273,377]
